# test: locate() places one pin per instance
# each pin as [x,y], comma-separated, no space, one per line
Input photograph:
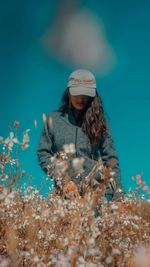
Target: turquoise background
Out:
[32,81]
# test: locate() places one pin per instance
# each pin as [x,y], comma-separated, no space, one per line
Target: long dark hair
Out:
[93,119]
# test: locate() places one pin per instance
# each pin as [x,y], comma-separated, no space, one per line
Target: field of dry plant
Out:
[63,228]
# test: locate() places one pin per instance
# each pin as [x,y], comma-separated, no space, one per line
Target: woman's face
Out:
[79,102]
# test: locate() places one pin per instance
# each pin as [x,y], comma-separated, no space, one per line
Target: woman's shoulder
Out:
[54,114]
[55,119]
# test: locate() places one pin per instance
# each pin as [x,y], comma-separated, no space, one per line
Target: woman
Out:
[80,120]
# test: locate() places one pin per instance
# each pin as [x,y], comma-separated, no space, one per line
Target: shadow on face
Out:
[79,102]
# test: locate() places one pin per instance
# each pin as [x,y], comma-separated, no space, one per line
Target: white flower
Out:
[9,198]
[77,164]
[36,259]
[114,207]
[93,251]
[66,241]
[40,234]
[37,217]
[4,262]
[62,261]
[26,138]
[116,251]
[5,177]
[91,242]
[44,117]
[81,260]
[100,168]
[61,166]
[3,194]
[141,256]
[12,162]
[145,188]
[119,190]
[90,264]
[52,159]
[109,259]
[69,148]
[112,173]
[9,142]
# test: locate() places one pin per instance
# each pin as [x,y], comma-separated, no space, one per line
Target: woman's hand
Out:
[71,189]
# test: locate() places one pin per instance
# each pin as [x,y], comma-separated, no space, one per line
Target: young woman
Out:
[80,120]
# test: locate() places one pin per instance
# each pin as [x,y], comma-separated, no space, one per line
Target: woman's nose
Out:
[82,97]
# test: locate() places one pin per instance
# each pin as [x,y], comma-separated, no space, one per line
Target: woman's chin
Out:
[80,108]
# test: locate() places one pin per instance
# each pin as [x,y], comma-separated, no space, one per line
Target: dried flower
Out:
[62,261]
[3,193]
[63,229]
[16,123]
[69,148]
[9,142]
[44,117]
[109,260]
[35,123]
[142,256]
[50,121]
[4,262]
[78,164]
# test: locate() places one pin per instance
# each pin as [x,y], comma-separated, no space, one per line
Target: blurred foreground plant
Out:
[10,173]
[61,229]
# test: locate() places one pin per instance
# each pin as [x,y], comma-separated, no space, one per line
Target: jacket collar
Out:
[69,115]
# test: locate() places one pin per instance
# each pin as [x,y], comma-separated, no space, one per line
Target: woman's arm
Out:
[108,153]
[45,147]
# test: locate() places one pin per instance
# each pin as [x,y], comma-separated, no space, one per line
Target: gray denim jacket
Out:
[65,130]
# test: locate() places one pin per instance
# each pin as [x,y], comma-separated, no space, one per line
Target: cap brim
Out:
[80,90]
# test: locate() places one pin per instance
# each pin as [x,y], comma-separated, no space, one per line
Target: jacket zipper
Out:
[76,141]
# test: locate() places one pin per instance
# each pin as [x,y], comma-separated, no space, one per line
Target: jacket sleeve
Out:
[45,147]
[108,152]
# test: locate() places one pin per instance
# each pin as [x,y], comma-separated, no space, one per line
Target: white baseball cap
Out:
[82,82]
